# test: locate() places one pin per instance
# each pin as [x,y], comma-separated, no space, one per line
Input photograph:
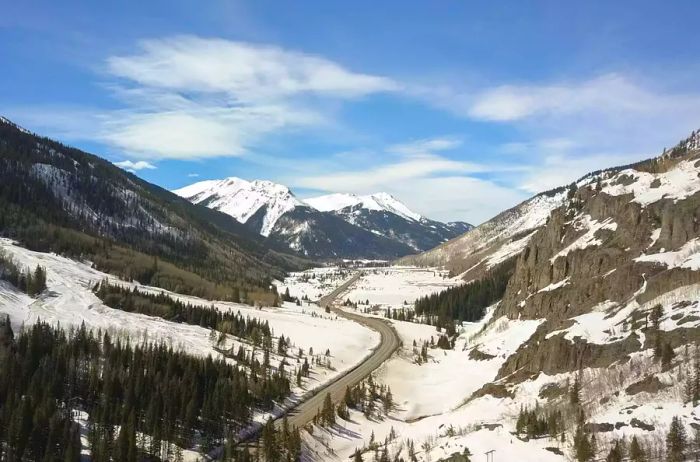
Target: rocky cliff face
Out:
[623,241]
[472,254]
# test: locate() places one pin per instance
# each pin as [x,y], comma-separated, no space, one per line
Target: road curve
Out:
[305,411]
[389,343]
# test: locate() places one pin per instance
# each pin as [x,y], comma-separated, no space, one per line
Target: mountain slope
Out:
[378,202]
[383,214]
[53,197]
[500,238]
[242,199]
[594,344]
[333,226]
[322,235]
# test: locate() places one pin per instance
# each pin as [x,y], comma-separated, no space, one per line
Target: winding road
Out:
[389,343]
[304,411]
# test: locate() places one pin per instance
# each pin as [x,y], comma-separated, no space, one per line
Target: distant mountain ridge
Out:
[330,226]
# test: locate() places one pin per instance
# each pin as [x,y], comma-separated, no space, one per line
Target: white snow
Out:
[242,199]
[432,406]
[679,182]
[391,286]
[69,300]
[508,250]
[495,235]
[588,239]
[313,283]
[555,285]
[378,201]
[688,256]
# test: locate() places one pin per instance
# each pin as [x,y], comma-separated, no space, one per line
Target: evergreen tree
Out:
[615,454]
[575,392]
[328,412]
[636,451]
[269,441]
[583,452]
[667,355]
[676,441]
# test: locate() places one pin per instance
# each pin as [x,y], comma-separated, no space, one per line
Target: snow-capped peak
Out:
[378,201]
[242,199]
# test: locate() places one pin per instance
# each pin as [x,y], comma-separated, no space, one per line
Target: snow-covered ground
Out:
[313,283]
[433,409]
[69,300]
[436,409]
[392,286]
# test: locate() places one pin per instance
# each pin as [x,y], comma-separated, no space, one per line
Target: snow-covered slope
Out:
[242,199]
[597,334]
[379,201]
[384,215]
[331,226]
[494,241]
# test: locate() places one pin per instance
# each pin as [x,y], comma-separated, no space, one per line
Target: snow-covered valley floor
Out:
[70,301]
[437,412]
[435,406]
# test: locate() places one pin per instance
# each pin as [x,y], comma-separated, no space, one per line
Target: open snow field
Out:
[314,283]
[391,286]
[436,409]
[432,400]
[69,300]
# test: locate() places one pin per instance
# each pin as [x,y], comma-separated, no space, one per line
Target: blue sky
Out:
[460,109]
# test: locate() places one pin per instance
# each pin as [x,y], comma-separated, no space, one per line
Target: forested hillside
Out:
[119,392]
[57,198]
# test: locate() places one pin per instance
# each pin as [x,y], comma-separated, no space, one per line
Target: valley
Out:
[233,320]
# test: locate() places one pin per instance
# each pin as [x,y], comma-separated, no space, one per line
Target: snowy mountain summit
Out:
[242,199]
[330,226]
[379,201]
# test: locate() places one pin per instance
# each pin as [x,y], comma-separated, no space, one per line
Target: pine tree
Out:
[583,451]
[676,441]
[575,392]
[328,412]
[269,441]
[615,454]
[667,355]
[636,451]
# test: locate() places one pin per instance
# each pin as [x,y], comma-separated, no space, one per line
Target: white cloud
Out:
[133,166]
[456,197]
[192,175]
[189,97]
[199,132]
[371,179]
[425,146]
[244,71]
[431,184]
[608,93]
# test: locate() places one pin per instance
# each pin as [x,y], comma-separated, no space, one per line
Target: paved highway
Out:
[389,343]
[305,411]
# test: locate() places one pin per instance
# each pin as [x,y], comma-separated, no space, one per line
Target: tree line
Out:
[142,401]
[163,306]
[30,282]
[465,302]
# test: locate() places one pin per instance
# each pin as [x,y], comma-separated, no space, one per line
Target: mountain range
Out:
[583,302]
[330,226]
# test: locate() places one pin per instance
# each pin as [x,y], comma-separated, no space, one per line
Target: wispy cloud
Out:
[417,172]
[244,71]
[134,166]
[193,175]
[190,97]
[425,146]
